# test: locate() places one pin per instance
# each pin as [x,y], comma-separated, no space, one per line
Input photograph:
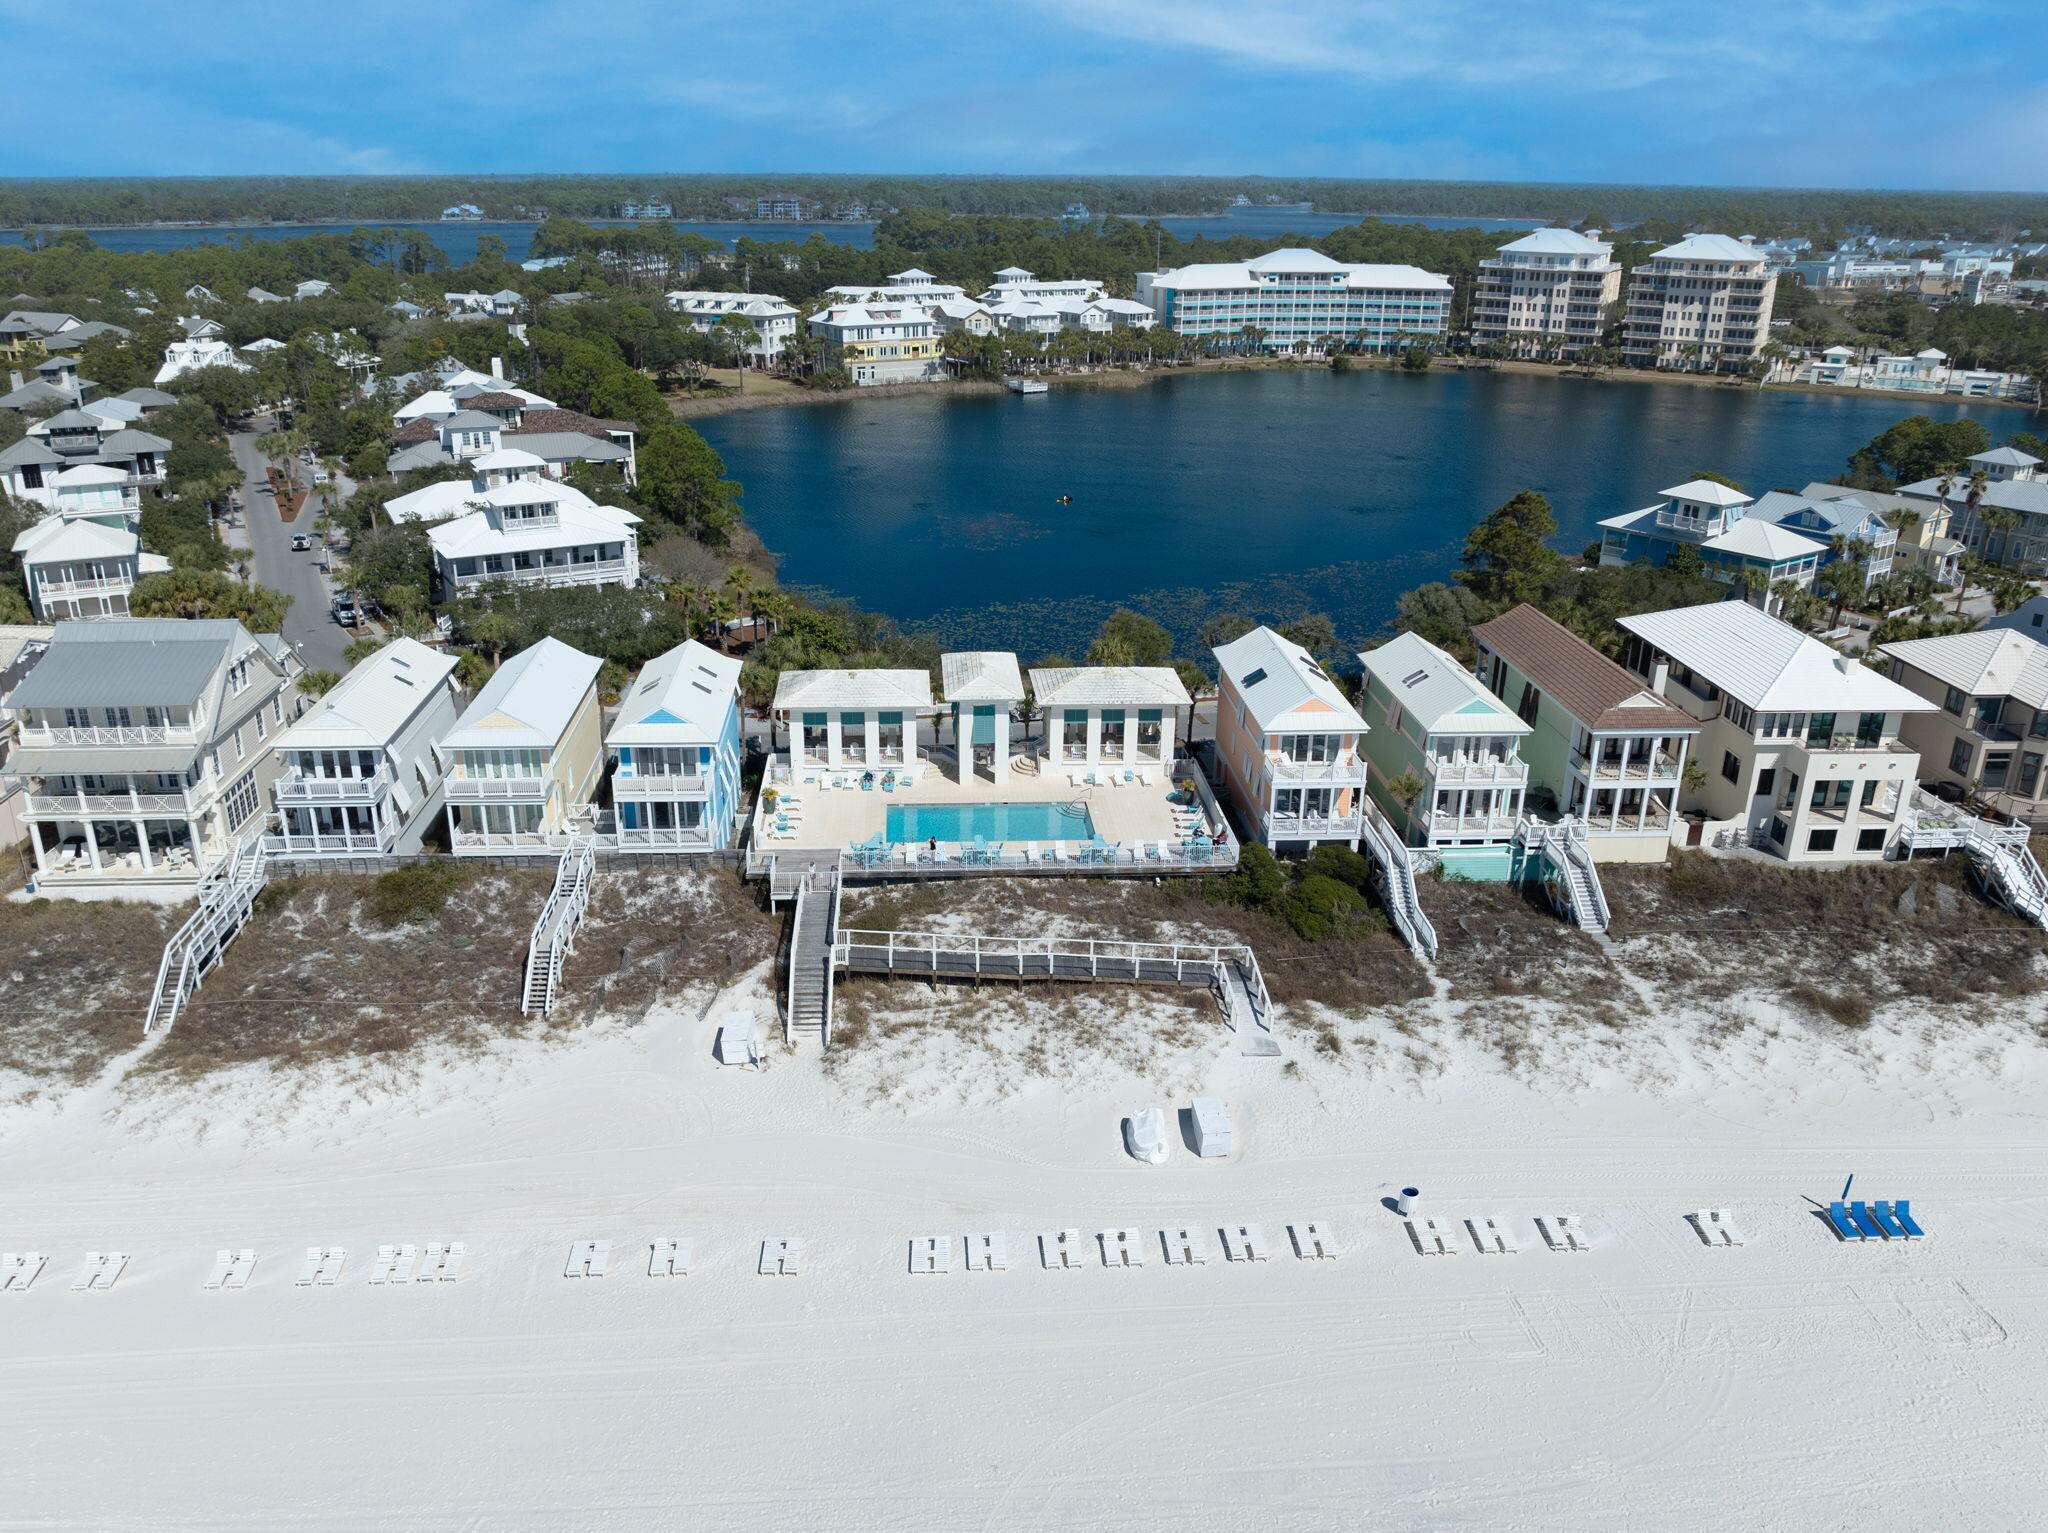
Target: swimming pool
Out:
[989,822]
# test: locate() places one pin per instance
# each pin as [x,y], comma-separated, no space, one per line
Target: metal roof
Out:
[981,676]
[368,707]
[529,702]
[1768,664]
[910,691]
[1282,686]
[1992,662]
[1440,694]
[129,662]
[1109,686]
[680,698]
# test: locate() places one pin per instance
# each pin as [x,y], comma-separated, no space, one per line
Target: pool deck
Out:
[835,820]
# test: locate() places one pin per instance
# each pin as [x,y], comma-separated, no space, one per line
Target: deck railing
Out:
[1077,957]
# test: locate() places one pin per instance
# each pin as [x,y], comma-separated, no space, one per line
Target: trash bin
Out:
[1212,1128]
[1405,1203]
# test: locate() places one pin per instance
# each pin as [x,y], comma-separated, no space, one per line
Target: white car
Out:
[1145,1135]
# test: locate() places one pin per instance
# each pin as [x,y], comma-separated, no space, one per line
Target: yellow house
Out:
[523,761]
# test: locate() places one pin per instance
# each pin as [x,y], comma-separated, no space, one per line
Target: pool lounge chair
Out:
[1838,1216]
[1056,852]
[1030,854]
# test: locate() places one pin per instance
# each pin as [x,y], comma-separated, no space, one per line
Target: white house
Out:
[535,532]
[77,465]
[773,321]
[881,343]
[1704,302]
[676,753]
[82,568]
[182,357]
[523,761]
[1014,282]
[146,746]
[360,776]
[1124,717]
[1801,745]
[859,719]
[912,286]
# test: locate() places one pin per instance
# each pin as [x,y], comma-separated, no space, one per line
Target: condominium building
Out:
[881,342]
[1287,744]
[145,742]
[899,287]
[524,760]
[1987,732]
[1553,286]
[1300,297]
[1702,304]
[772,320]
[360,775]
[1802,746]
[1014,282]
[675,750]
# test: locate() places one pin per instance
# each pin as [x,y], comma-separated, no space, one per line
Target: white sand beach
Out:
[1794,1383]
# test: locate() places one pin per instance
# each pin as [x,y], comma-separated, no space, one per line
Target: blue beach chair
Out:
[1903,1212]
[1887,1221]
[1838,1216]
[1864,1222]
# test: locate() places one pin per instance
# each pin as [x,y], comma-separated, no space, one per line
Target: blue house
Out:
[675,750]
[1713,518]
[1826,518]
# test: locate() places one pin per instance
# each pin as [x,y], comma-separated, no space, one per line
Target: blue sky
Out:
[1754,92]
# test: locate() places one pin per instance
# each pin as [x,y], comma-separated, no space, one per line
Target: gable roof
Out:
[60,538]
[529,702]
[909,691]
[1440,694]
[682,697]
[369,706]
[1109,686]
[1768,664]
[1992,662]
[1281,683]
[1577,677]
[981,676]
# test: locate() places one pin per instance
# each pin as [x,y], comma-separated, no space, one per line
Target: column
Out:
[92,842]
[142,845]
[832,742]
[1094,737]
[963,743]
[999,760]
[871,725]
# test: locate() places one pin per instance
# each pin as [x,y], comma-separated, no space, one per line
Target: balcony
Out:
[1661,768]
[296,788]
[52,586]
[1345,768]
[126,804]
[1445,770]
[1314,827]
[694,838]
[500,790]
[593,572]
[339,844]
[658,786]
[1467,825]
[110,734]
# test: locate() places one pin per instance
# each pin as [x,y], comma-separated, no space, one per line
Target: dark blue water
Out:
[1271,493]
[459,240]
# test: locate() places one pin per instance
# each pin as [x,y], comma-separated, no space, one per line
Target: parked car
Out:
[345,611]
[321,476]
[300,542]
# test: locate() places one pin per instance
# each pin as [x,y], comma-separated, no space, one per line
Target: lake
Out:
[1274,493]
[459,240]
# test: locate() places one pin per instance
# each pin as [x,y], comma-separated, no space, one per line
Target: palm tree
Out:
[2004,522]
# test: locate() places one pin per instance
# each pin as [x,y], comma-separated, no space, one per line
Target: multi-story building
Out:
[881,343]
[360,777]
[675,751]
[773,320]
[1801,745]
[523,761]
[23,331]
[1444,755]
[21,646]
[1301,297]
[913,286]
[1712,517]
[75,567]
[1999,507]
[1703,304]
[77,465]
[145,742]
[535,531]
[1604,752]
[1014,282]
[1553,287]
[1987,732]
[1287,744]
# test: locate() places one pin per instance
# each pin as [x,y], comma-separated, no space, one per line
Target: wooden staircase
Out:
[554,929]
[225,900]
[814,930]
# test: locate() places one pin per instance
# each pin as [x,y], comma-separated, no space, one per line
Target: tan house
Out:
[1703,303]
[1986,731]
[523,761]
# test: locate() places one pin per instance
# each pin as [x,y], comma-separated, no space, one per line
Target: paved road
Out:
[308,625]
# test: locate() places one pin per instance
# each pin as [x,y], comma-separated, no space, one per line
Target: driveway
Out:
[309,624]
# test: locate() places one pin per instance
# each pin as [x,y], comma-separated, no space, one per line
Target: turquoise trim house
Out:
[676,753]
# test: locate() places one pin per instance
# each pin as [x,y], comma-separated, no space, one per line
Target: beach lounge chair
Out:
[668,1258]
[1122,1248]
[1865,1223]
[100,1270]
[988,1253]
[931,1255]
[1903,1212]
[781,1258]
[1717,1227]
[1564,1232]
[587,1258]
[241,1269]
[19,1269]
[1493,1236]
[1888,1217]
[1311,1239]
[222,1261]
[1060,1250]
[1845,1227]
[1183,1247]
[1245,1242]
[1030,854]
[1432,1237]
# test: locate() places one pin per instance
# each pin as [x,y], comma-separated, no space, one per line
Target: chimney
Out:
[1845,664]
[497,367]
[1660,676]
[14,380]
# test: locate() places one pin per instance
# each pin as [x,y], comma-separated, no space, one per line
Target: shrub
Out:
[1255,883]
[1342,864]
[411,895]
[1316,905]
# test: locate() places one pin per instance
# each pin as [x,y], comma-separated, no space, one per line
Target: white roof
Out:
[470,537]
[86,475]
[1440,694]
[529,702]
[1283,687]
[1109,686]
[508,457]
[2005,457]
[453,497]
[981,676]
[368,707]
[60,538]
[915,274]
[1992,662]
[680,698]
[1558,242]
[1756,538]
[1014,271]
[909,691]
[1768,664]
[265,343]
[1709,247]
[1708,492]
[1245,274]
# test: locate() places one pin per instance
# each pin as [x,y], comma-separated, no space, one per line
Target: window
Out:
[1955,701]
[1731,768]
[240,802]
[1997,767]
[1820,841]
[238,676]
[1871,840]
[2030,774]
[1959,758]
[1766,780]
[1820,729]
[1869,728]
[1869,793]
[2039,728]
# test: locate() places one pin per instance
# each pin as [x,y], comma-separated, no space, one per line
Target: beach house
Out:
[145,742]
[1444,755]
[1713,518]
[981,688]
[1120,718]
[1987,734]
[524,760]
[1603,751]
[79,463]
[1287,743]
[675,753]
[915,286]
[769,321]
[1998,509]
[1801,745]
[82,568]
[891,342]
[852,720]
[359,774]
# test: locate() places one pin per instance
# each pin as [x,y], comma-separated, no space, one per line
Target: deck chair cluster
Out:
[1875,1221]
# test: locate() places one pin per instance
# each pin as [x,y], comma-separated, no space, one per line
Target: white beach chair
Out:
[1564,1232]
[1717,1227]
[19,1269]
[328,1272]
[222,1262]
[1030,854]
[931,1255]
[1122,1248]
[1183,1247]
[1432,1237]
[1312,1241]
[394,1264]
[1492,1235]
[1060,1250]
[442,1262]
[241,1269]
[100,1270]
[988,1253]
[310,1268]
[1245,1243]
[781,1258]
[587,1259]
[668,1258]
